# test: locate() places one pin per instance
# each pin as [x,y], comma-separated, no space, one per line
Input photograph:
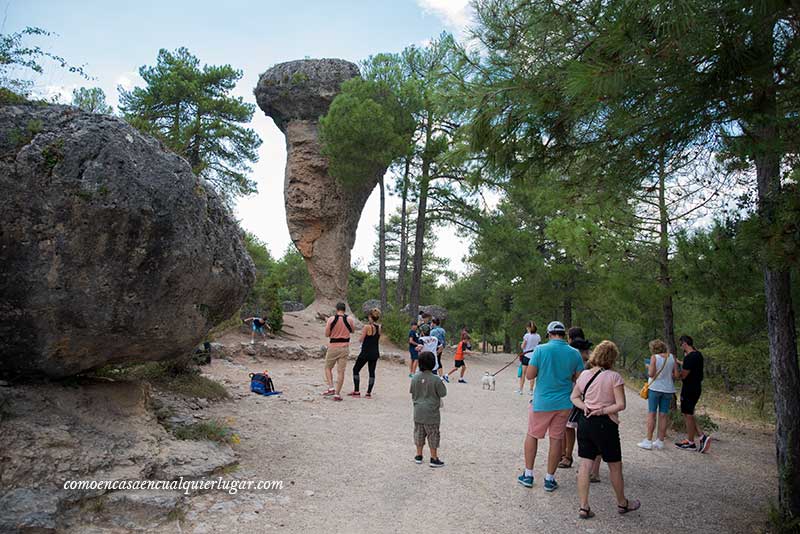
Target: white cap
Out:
[556,327]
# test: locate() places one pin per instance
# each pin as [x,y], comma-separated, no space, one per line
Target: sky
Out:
[114,38]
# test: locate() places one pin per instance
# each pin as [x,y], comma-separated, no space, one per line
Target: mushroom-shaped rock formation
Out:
[322,215]
[111,250]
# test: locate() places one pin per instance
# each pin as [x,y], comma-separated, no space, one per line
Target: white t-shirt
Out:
[529,343]
[429,344]
[663,383]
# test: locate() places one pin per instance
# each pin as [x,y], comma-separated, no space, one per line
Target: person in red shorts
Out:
[555,366]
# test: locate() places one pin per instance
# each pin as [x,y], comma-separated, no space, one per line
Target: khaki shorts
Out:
[337,355]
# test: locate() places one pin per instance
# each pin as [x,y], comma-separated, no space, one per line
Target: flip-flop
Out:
[585,513]
[563,463]
[630,506]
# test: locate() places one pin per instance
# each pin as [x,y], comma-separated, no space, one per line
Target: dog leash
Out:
[512,361]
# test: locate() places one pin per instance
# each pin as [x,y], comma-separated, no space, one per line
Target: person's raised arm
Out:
[328,328]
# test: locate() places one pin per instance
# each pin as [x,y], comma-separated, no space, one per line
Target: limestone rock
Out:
[290,306]
[111,249]
[107,431]
[322,216]
[374,303]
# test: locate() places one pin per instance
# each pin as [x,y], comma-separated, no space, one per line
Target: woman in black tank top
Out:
[369,355]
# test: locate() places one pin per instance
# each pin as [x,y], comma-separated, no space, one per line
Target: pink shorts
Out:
[552,423]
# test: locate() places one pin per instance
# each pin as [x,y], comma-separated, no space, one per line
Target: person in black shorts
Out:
[692,376]
[369,355]
[599,394]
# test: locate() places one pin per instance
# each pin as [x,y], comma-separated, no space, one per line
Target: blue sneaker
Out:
[550,485]
[525,481]
[446,378]
[462,381]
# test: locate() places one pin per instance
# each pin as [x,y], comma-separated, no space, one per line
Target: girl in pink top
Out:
[600,393]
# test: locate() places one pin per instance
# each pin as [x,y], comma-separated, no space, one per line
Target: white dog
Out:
[487,381]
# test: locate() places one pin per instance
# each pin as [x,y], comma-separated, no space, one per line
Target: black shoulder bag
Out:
[576,412]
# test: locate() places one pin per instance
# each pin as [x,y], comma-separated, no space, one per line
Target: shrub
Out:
[212,430]
[395,326]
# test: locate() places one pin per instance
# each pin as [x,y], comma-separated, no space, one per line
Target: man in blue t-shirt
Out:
[555,366]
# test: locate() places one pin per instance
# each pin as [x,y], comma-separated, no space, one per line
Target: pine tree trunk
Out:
[382,247]
[567,310]
[664,277]
[419,238]
[777,284]
[402,269]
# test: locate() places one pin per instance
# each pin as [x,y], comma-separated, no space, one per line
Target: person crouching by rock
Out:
[337,329]
[600,393]
[258,326]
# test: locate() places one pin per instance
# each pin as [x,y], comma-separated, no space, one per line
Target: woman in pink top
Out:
[600,393]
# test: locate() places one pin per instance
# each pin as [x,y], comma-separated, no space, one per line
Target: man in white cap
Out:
[555,366]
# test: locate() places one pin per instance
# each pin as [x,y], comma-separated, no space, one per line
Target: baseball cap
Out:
[556,327]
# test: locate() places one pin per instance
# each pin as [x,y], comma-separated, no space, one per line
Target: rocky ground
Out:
[345,466]
[348,466]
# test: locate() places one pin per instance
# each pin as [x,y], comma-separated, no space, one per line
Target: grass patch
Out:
[212,430]
[177,376]
[778,523]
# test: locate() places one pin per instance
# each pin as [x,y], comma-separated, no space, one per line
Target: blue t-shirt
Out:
[439,334]
[557,363]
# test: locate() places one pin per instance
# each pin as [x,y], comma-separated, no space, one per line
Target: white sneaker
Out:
[658,444]
[518,392]
[646,444]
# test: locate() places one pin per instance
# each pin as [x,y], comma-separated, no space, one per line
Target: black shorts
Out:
[526,360]
[599,436]
[689,401]
[460,363]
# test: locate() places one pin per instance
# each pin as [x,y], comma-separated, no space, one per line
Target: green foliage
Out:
[15,54]
[212,430]
[704,422]
[7,96]
[91,99]
[365,129]
[396,327]
[264,298]
[191,110]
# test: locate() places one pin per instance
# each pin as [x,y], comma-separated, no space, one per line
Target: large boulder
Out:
[322,216]
[374,303]
[111,249]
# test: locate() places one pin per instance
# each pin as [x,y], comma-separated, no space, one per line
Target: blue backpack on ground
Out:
[262,384]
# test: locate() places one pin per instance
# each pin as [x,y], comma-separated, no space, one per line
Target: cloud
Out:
[455,13]
[127,80]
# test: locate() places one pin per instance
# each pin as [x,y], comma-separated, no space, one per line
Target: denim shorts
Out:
[658,401]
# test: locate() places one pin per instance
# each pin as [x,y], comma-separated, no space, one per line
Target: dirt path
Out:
[347,466]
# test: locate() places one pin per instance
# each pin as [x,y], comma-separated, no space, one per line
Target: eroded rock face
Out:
[111,250]
[321,214]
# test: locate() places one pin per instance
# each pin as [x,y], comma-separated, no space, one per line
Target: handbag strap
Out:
[662,367]
[583,395]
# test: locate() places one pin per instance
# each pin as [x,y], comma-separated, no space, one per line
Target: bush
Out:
[179,376]
[395,326]
[212,430]
[704,422]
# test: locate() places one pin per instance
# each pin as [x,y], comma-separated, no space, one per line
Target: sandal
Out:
[565,463]
[630,506]
[594,478]
[328,392]
[368,396]
[585,513]
[337,398]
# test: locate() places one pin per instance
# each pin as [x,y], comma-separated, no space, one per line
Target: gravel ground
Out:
[348,466]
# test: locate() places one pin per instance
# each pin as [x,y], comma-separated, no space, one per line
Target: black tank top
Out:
[369,347]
